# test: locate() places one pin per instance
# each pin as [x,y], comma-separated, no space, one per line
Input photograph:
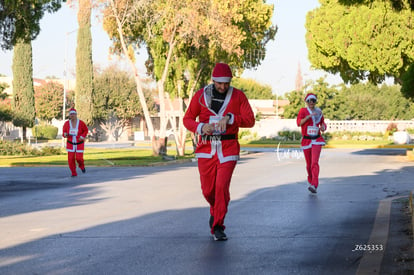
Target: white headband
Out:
[223,79]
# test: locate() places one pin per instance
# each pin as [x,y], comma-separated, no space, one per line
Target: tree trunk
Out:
[182,130]
[138,82]
[161,93]
[24,134]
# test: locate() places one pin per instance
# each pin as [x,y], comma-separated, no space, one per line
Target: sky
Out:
[54,50]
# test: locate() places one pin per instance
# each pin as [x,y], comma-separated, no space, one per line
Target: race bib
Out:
[73,132]
[214,121]
[312,131]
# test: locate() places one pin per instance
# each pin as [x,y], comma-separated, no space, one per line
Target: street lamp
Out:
[277,97]
[65,74]
[277,106]
[65,80]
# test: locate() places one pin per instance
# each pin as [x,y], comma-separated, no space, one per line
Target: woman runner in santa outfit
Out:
[75,131]
[215,113]
[312,123]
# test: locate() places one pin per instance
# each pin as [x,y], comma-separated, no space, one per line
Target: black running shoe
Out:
[312,189]
[211,221]
[83,170]
[219,234]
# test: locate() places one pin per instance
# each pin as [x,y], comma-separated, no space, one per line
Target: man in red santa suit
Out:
[75,131]
[312,123]
[215,113]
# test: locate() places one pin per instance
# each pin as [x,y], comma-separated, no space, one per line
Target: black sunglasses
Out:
[311,100]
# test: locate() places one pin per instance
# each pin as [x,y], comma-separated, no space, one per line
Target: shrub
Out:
[391,129]
[244,133]
[50,151]
[16,148]
[290,135]
[45,132]
[9,148]
[327,136]
[410,130]
[354,135]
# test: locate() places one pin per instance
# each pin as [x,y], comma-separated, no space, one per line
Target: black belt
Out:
[309,137]
[220,137]
[75,143]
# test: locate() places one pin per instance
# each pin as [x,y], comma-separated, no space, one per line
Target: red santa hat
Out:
[310,96]
[222,73]
[72,111]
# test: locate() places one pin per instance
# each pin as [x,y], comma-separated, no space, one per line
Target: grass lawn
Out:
[266,143]
[94,157]
[136,156]
[357,144]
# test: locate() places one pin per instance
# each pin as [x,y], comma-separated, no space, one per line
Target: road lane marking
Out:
[371,261]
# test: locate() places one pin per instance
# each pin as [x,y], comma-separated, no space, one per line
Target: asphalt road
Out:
[154,220]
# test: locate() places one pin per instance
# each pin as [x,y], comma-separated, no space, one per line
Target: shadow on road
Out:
[15,180]
[22,179]
[382,152]
[274,230]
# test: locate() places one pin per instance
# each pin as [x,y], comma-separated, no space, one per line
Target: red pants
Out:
[312,164]
[215,183]
[72,158]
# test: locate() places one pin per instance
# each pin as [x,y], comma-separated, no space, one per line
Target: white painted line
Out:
[371,260]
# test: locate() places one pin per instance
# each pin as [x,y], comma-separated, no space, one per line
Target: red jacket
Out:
[306,128]
[75,135]
[235,104]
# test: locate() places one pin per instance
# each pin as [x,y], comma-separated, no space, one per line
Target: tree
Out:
[118,18]
[84,64]
[48,100]
[23,92]
[3,86]
[19,19]
[252,88]
[210,30]
[362,101]
[207,32]
[407,86]
[363,40]
[396,4]
[367,101]
[5,108]
[5,105]
[115,98]
[19,25]
[295,103]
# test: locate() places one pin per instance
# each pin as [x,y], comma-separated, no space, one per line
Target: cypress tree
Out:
[20,19]
[84,65]
[23,91]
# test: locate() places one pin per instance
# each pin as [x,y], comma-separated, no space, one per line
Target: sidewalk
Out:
[399,254]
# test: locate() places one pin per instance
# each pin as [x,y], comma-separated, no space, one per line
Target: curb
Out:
[410,205]
[410,155]
[371,262]
[178,161]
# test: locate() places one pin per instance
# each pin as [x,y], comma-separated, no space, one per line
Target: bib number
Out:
[312,131]
[73,132]
[214,121]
